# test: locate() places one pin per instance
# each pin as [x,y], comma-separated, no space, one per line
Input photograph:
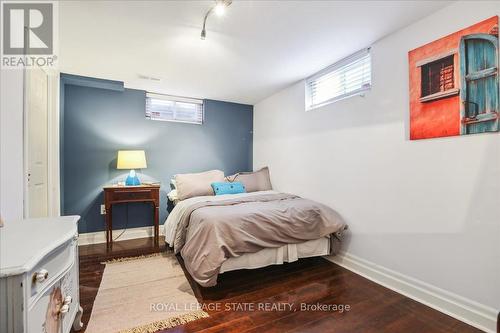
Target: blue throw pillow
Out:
[228,188]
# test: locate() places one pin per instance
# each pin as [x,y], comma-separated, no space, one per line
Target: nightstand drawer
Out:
[131,195]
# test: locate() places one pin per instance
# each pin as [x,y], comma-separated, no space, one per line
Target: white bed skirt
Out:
[277,256]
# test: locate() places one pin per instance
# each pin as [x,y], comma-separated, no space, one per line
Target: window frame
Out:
[441,94]
[432,76]
[175,99]
[337,65]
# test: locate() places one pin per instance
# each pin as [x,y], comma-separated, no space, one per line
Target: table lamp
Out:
[131,159]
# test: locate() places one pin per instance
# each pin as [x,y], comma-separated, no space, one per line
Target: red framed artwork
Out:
[454,85]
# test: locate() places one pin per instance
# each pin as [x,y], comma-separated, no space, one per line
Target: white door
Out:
[36,136]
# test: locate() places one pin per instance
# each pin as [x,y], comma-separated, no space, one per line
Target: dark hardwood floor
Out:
[373,308]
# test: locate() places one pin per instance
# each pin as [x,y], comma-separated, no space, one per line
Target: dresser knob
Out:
[67,300]
[40,276]
[64,308]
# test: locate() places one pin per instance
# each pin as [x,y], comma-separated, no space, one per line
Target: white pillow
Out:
[172,196]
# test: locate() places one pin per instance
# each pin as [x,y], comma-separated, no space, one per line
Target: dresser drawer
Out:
[55,307]
[132,195]
[50,268]
[43,315]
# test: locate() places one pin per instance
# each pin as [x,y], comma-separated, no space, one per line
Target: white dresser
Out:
[39,276]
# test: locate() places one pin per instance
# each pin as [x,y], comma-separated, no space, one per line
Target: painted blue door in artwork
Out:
[479,83]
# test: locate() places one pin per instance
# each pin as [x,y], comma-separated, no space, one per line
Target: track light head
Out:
[219,8]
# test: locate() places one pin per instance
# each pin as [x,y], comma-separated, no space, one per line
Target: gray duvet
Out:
[209,233]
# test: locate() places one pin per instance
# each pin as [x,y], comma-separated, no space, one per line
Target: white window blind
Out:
[171,108]
[347,77]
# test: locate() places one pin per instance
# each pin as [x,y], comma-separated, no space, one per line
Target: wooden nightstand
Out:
[123,194]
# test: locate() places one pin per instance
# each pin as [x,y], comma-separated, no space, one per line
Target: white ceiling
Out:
[256,49]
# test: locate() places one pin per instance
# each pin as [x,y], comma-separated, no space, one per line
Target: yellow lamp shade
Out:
[131,159]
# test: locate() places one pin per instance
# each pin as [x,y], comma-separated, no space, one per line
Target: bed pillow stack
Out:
[190,185]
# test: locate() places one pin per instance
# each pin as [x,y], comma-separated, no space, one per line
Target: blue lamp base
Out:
[132,179]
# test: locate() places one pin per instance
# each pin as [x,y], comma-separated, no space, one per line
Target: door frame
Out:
[463,70]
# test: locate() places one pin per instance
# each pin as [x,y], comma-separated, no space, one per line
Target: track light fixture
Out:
[219,8]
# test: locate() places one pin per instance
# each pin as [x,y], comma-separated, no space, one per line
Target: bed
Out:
[217,234]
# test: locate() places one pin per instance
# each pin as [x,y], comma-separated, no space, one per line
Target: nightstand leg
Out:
[157,228]
[106,219]
[109,225]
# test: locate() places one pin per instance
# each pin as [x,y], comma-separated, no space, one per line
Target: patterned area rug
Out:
[143,295]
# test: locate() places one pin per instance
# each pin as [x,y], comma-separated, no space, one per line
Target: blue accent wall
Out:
[99,119]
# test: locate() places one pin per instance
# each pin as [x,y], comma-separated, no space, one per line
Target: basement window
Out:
[173,108]
[348,77]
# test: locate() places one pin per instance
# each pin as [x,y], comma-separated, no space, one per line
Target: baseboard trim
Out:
[100,236]
[461,308]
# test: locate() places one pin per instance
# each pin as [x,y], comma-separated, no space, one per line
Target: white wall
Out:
[11,144]
[427,209]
